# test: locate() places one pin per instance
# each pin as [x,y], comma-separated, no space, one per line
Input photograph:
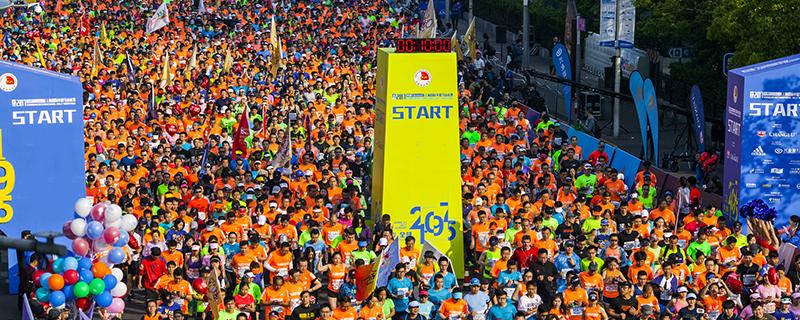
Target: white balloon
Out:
[101,245]
[78,227]
[129,222]
[120,290]
[117,274]
[113,212]
[116,223]
[83,206]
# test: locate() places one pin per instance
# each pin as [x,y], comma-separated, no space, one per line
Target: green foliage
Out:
[547,16]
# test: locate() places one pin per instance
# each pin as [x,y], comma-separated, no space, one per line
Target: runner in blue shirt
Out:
[502,310]
[400,289]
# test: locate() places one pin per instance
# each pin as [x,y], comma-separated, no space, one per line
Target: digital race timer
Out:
[423,45]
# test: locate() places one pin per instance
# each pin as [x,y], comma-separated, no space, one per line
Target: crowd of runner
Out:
[553,231]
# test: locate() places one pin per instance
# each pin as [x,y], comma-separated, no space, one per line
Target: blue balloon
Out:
[94,230]
[86,275]
[70,263]
[85,263]
[43,280]
[58,266]
[123,239]
[110,280]
[57,298]
[68,294]
[116,255]
[104,299]
[42,294]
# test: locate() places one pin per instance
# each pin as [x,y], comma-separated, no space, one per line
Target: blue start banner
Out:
[41,150]
[762,146]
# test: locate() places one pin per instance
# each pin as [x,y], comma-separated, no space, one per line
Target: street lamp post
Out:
[526,45]
[617,63]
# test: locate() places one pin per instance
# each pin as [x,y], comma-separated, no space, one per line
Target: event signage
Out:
[41,149]
[608,23]
[564,71]
[762,146]
[698,117]
[416,176]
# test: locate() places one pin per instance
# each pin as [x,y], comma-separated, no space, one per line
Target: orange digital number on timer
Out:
[7,178]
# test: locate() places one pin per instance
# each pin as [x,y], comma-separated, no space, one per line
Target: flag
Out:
[698,117]
[427,28]
[201,8]
[427,246]
[192,63]
[97,57]
[205,159]
[104,35]
[228,63]
[152,114]
[277,61]
[159,19]
[390,257]
[283,158]
[214,293]
[456,47]
[470,38]
[41,56]
[365,280]
[563,69]
[242,132]
[131,67]
[165,74]
[83,26]
[273,34]
[27,313]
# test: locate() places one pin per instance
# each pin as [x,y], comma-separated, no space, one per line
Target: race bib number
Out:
[337,283]
[630,245]
[749,279]
[666,295]
[713,315]
[611,287]
[402,291]
[332,236]
[576,311]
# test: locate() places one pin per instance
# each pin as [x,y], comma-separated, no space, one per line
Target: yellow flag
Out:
[41,57]
[104,35]
[97,57]
[165,74]
[427,29]
[192,63]
[277,62]
[456,47]
[228,63]
[273,34]
[469,38]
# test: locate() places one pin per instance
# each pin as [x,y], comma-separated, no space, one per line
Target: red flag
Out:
[83,28]
[242,132]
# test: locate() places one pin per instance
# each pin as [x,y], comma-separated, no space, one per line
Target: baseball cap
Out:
[575,281]
[457,295]
[413,304]
[786,301]
[475,282]
[604,222]
[362,243]
[423,293]
[796,295]
[691,296]
[682,289]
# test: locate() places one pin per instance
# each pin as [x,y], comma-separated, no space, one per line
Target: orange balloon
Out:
[100,270]
[56,282]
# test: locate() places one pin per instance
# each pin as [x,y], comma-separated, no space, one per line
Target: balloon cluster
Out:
[758,209]
[99,234]
[81,280]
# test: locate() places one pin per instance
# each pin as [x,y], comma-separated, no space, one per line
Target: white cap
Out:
[621,176]
[645,213]
[383,242]
[262,219]
[273,204]
[682,289]
[309,173]
[634,195]
[479,201]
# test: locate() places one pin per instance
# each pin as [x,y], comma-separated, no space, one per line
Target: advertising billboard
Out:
[416,167]
[41,150]
[762,146]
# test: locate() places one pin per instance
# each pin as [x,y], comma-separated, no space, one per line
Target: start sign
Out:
[416,169]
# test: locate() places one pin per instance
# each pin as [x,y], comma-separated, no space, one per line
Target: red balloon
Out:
[83,304]
[132,242]
[71,277]
[36,275]
[199,285]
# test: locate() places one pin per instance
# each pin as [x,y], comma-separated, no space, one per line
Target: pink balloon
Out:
[66,229]
[117,306]
[80,246]
[98,212]
[111,235]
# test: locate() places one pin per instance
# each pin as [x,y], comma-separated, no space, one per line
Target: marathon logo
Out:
[421,112]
